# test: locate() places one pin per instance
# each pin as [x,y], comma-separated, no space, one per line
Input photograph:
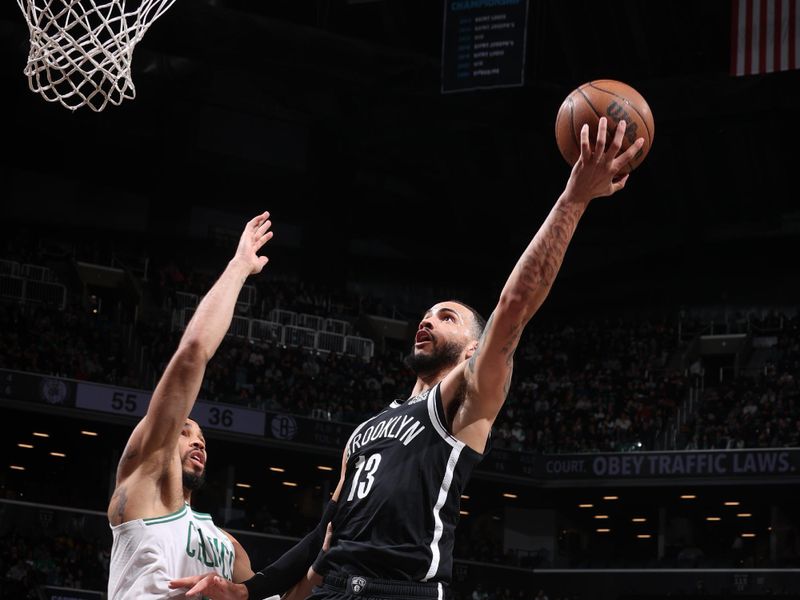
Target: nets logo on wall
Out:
[54,391]
[284,427]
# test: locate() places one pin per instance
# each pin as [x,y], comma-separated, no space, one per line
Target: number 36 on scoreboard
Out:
[126,401]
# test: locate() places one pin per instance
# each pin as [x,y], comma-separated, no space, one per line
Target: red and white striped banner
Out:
[765,36]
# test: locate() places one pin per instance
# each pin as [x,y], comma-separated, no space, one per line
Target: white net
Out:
[81,50]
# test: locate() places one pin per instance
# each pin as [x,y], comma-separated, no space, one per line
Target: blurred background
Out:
[648,447]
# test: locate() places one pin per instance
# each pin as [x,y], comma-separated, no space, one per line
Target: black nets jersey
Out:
[399,506]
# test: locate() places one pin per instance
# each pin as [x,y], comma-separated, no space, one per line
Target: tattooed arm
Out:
[481,385]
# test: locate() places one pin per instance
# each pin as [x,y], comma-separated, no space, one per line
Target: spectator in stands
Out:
[479,593]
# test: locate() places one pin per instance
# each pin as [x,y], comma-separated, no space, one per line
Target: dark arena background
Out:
[649,447]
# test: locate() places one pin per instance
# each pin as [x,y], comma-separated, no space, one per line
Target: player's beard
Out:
[446,356]
[192,481]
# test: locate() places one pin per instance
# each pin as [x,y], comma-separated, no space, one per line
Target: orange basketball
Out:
[612,99]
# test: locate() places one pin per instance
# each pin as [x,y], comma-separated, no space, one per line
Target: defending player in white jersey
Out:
[157,535]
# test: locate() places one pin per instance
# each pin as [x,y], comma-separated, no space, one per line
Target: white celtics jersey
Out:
[148,553]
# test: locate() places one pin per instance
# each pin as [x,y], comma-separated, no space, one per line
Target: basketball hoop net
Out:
[81,50]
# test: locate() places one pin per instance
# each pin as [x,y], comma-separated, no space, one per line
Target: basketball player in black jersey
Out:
[396,506]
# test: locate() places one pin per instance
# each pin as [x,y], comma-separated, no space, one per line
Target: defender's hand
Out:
[256,233]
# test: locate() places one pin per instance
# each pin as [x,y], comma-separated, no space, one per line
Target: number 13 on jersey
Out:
[366,467]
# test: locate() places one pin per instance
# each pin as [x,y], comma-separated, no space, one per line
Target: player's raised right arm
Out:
[487,374]
[178,387]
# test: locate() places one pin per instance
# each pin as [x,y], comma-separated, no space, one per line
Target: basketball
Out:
[616,101]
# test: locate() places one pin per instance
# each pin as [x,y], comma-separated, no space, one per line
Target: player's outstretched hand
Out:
[256,233]
[596,172]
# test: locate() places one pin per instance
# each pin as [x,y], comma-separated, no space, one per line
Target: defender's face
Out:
[447,324]
[192,449]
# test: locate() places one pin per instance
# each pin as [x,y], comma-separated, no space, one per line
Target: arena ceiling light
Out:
[41,434]
[88,433]
[610,497]
[601,516]
[688,497]
[277,469]
[603,530]
[21,445]
[744,515]
[587,505]
[58,454]
[639,520]
[463,512]
[510,495]
[244,485]
[713,519]
[748,535]
[16,468]
[731,503]
[324,468]
[464,497]
[643,536]
[289,483]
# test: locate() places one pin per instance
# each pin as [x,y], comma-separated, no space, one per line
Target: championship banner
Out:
[483,44]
